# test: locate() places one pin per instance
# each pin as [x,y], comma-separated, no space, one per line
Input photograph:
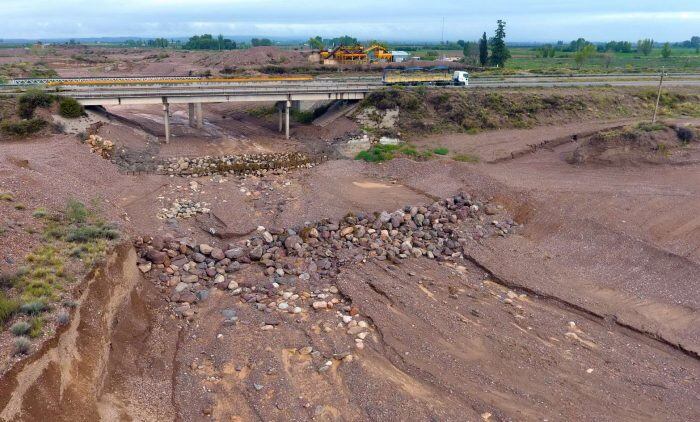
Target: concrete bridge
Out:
[286,95]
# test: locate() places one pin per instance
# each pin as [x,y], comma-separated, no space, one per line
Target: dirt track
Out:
[613,250]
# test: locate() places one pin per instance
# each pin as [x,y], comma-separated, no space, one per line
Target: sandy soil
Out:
[96,61]
[615,250]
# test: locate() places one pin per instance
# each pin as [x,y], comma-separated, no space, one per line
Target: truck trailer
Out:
[425,76]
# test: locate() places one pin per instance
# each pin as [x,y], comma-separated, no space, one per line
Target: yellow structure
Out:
[355,54]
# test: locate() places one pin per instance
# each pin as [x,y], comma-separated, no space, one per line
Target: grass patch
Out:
[261,112]
[441,151]
[6,197]
[466,158]
[87,233]
[379,153]
[8,307]
[20,207]
[40,213]
[22,128]
[74,234]
[36,326]
[650,127]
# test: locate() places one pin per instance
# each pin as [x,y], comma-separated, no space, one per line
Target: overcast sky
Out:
[528,20]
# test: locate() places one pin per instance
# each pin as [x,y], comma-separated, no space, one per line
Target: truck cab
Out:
[461,78]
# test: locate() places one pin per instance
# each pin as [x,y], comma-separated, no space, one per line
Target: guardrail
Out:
[218,91]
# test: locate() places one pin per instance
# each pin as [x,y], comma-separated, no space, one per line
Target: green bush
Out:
[441,151]
[30,100]
[70,108]
[22,128]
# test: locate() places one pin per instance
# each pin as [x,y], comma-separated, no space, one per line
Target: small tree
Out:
[582,56]
[645,46]
[547,51]
[666,51]
[316,43]
[483,50]
[471,52]
[608,59]
[499,50]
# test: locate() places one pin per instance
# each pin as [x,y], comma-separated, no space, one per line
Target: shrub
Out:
[63,317]
[76,211]
[30,100]
[20,328]
[23,127]
[441,151]
[685,134]
[70,108]
[22,345]
[392,98]
[90,232]
[33,308]
[8,307]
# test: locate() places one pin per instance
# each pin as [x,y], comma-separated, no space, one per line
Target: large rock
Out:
[291,242]
[235,252]
[156,257]
[217,254]
[256,253]
[205,249]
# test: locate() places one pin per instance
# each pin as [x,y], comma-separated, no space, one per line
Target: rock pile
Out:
[100,146]
[183,208]
[298,263]
[234,164]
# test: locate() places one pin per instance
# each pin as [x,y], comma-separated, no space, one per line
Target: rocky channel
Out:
[292,271]
[234,164]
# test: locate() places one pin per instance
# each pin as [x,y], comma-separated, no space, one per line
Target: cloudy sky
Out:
[528,20]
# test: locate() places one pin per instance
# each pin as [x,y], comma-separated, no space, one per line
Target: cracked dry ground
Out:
[504,332]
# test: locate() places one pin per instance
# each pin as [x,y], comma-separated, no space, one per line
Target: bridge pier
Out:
[288,105]
[166,120]
[280,114]
[195,115]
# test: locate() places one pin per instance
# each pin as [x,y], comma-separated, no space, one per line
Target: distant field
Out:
[681,60]
[526,59]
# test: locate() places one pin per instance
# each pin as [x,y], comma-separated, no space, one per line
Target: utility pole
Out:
[658,94]
[442,37]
